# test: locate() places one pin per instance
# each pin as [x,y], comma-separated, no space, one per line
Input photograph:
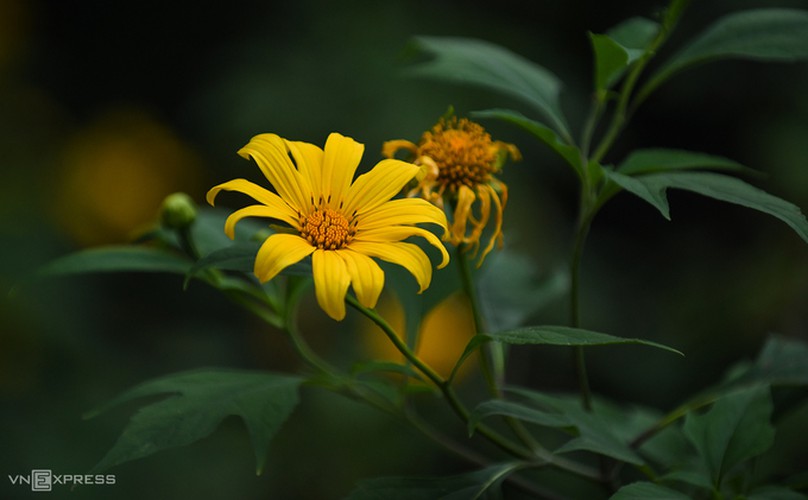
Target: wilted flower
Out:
[459,160]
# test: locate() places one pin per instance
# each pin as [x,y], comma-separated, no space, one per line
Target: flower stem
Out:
[492,355]
[575,299]
[443,385]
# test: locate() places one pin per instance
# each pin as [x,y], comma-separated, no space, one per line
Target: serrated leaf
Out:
[644,490]
[471,485]
[566,336]
[646,161]
[198,402]
[761,34]
[118,258]
[568,152]
[734,430]
[481,63]
[517,411]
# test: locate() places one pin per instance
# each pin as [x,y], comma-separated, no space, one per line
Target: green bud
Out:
[178,211]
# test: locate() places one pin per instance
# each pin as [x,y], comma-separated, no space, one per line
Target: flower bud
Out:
[178,211]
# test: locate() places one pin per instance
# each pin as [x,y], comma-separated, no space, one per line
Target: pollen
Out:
[462,150]
[326,228]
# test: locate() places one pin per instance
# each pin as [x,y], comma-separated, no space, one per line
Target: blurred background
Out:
[106,107]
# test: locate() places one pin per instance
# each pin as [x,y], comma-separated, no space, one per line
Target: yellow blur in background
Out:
[444,333]
[116,172]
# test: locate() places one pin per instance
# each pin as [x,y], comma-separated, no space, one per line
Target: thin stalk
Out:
[575,312]
[443,385]
[492,354]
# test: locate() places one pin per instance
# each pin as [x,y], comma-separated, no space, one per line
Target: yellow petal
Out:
[342,156]
[367,278]
[331,280]
[260,194]
[390,148]
[402,211]
[309,161]
[465,198]
[383,182]
[497,235]
[406,255]
[257,211]
[398,233]
[269,153]
[278,252]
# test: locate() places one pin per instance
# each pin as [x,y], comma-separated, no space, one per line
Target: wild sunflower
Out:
[340,222]
[460,160]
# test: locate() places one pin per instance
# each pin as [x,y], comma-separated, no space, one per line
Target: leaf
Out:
[566,336]
[472,61]
[644,490]
[118,258]
[781,362]
[568,152]
[596,430]
[384,366]
[652,188]
[639,187]
[611,60]
[199,401]
[635,35]
[645,161]
[471,485]
[761,34]
[619,48]
[515,410]
[734,430]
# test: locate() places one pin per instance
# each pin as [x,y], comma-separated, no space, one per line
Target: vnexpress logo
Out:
[45,479]
[41,480]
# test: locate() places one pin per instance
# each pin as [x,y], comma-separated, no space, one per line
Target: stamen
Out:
[327,229]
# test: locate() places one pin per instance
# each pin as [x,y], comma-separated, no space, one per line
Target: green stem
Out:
[575,291]
[443,385]
[492,354]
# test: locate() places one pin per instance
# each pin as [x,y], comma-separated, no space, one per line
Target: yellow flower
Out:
[459,161]
[340,223]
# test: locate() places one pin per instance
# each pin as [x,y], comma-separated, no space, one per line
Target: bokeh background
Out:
[106,107]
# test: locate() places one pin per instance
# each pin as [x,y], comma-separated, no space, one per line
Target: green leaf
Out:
[645,490]
[781,362]
[566,336]
[199,401]
[569,153]
[761,34]
[639,187]
[646,161]
[515,410]
[477,62]
[619,48]
[471,485]
[734,430]
[731,190]
[119,258]
[384,366]
[635,35]
[611,60]
[596,429]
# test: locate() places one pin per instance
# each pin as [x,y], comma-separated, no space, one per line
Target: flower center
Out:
[462,150]
[326,228]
